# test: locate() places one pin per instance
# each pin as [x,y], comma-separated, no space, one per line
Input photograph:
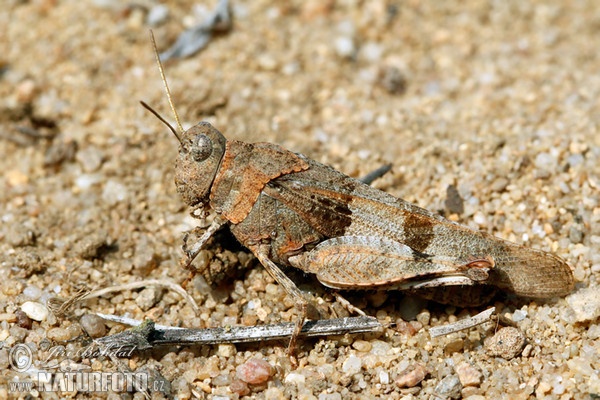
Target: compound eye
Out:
[201,148]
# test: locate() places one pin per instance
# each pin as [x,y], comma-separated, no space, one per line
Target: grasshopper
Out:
[290,210]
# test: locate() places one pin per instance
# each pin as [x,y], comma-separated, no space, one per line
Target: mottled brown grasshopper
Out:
[290,210]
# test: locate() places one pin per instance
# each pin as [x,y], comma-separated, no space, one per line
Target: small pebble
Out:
[23,320]
[148,297]
[423,318]
[545,163]
[411,376]
[384,377]
[62,334]
[90,158]
[410,306]
[254,371]
[239,387]
[226,350]
[499,185]
[352,365]
[519,315]
[468,374]
[114,192]
[454,203]
[585,304]
[26,91]
[157,15]
[144,258]
[91,246]
[18,333]
[8,317]
[295,378]
[575,235]
[380,348]
[449,387]
[60,151]
[221,380]
[267,62]
[393,80]
[506,343]
[272,393]
[454,346]
[344,47]
[4,359]
[371,51]
[330,396]
[593,332]
[93,325]
[32,292]
[34,310]
[405,328]
[362,345]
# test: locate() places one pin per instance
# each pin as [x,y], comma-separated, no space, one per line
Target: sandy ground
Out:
[499,99]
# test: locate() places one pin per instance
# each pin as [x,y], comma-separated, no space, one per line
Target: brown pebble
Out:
[405,328]
[23,320]
[468,374]
[454,346]
[93,325]
[393,80]
[254,371]
[91,246]
[506,343]
[239,387]
[454,203]
[26,91]
[412,375]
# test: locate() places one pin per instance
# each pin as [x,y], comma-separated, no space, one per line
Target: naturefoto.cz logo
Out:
[79,379]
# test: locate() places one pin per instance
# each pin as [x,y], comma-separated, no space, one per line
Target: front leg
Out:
[261,252]
[194,250]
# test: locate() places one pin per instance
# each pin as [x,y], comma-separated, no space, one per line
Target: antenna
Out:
[164,79]
[164,121]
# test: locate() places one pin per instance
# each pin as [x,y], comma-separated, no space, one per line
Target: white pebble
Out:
[114,192]
[157,15]
[593,332]
[479,218]
[352,365]
[86,181]
[295,378]
[384,377]
[32,292]
[90,159]
[519,315]
[545,160]
[330,396]
[575,159]
[380,348]
[585,304]
[344,46]
[35,310]
[372,51]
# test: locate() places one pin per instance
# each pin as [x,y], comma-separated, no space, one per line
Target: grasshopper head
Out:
[200,153]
